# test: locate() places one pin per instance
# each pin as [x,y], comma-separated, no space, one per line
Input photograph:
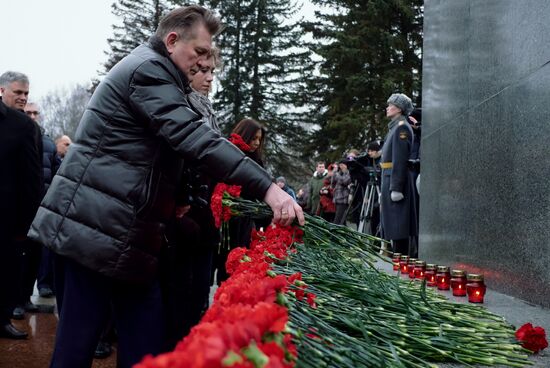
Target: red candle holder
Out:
[395,261]
[443,278]
[403,264]
[430,274]
[458,282]
[410,267]
[475,288]
[419,270]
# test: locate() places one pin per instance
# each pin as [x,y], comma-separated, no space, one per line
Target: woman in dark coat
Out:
[249,136]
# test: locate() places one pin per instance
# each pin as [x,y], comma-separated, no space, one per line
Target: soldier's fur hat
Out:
[402,101]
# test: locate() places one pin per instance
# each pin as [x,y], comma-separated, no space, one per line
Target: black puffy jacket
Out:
[107,205]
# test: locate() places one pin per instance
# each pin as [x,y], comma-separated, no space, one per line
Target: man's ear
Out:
[170,41]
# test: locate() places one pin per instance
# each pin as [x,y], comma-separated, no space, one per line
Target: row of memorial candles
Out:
[441,277]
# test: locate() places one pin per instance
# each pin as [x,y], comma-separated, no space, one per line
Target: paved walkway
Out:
[36,350]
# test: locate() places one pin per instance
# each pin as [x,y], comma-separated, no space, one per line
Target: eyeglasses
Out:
[32,113]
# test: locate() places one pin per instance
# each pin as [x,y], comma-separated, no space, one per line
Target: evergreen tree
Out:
[263,76]
[369,49]
[138,21]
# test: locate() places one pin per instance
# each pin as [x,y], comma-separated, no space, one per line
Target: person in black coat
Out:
[106,210]
[398,199]
[191,235]
[20,192]
[33,254]
[50,164]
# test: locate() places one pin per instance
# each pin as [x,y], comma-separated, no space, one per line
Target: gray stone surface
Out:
[485,192]
[515,311]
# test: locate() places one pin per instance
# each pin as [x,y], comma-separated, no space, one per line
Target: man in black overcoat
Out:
[20,191]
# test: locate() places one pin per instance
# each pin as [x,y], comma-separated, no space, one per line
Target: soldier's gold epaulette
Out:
[401,123]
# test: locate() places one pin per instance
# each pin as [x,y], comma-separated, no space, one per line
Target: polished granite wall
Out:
[485,190]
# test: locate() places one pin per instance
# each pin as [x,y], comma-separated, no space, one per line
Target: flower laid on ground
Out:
[247,324]
[532,338]
[314,298]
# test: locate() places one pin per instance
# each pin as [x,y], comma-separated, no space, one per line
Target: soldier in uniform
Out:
[398,201]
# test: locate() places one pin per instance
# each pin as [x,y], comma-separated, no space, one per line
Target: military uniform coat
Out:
[399,219]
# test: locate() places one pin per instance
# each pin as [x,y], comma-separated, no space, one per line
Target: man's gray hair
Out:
[10,77]
[182,20]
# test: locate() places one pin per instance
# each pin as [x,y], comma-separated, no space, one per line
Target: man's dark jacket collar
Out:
[159,47]
[3,108]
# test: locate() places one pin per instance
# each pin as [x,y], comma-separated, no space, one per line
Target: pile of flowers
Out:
[247,324]
[313,297]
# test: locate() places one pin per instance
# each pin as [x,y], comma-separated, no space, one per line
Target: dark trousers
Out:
[85,306]
[185,265]
[9,277]
[401,246]
[29,258]
[45,271]
[339,217]
[240,230]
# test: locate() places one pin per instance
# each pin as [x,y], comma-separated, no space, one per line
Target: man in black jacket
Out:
[106,209]
[34,255]
[20,191]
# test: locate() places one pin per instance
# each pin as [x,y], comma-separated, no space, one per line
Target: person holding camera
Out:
[364,172]
[398,201]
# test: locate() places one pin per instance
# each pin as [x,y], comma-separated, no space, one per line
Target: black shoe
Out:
[30,307]
[45,292]
[103,350]
[18,313]
[11,332]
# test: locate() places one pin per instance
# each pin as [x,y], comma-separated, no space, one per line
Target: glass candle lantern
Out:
[410,267]
[419,270]
[395,261]
[403,264]
[431,270]
[458,282]
[443,278]
[475,288]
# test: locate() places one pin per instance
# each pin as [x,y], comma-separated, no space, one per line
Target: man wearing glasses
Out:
[20,190]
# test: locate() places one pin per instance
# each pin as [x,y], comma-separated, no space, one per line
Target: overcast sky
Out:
[57,43]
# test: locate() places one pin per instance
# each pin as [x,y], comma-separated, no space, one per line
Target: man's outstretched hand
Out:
[284,208]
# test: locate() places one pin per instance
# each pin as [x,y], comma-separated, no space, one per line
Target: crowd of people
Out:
[118,227]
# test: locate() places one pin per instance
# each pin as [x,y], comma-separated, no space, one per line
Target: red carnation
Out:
[238,141]
[221,213]
[235,258]
[532,338]
[311,300]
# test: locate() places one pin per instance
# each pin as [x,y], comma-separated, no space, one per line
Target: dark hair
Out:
[182,20]
[373,146]
[247,129]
